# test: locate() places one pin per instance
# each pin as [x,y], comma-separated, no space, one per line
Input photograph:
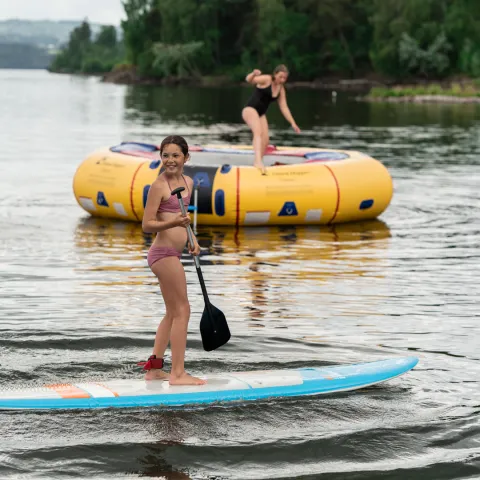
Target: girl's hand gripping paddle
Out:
[213,324]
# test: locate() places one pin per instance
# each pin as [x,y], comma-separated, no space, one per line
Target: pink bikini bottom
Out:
[157,253]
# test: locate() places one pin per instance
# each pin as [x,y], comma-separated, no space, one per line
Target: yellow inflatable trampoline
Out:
[302,186]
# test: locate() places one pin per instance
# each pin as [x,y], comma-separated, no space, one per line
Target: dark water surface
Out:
[77,299]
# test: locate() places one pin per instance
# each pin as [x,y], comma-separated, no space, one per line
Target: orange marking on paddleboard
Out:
[66,390]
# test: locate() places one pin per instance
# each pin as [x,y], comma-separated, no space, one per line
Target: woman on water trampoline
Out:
[163,216]
[268,88]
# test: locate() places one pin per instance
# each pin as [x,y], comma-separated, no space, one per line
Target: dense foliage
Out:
[315,38]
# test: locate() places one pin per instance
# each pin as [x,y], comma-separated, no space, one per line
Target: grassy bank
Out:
[464,91]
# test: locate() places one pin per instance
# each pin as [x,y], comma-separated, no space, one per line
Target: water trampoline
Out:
[303,186]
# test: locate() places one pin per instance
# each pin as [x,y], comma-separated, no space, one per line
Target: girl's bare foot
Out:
[156,374]
[261,167]
[185,379]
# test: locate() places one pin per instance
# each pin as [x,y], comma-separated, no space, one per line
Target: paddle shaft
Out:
[195,257]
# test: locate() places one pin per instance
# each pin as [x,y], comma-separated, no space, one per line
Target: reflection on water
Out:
[274,269]
[109,243]
[420,114]
[312,109]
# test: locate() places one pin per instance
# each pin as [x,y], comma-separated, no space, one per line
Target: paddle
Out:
[213,324]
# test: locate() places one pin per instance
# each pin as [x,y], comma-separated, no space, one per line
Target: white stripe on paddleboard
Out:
[264,379]
[96,390]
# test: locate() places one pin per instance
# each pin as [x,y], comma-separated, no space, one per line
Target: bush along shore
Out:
[125,74]
[466,91]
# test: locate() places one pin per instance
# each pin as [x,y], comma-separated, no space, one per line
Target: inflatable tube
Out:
[302,185]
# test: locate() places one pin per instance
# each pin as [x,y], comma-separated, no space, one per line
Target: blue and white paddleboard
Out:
[225,387]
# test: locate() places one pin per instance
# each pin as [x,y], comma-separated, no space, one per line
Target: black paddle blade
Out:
[213,328]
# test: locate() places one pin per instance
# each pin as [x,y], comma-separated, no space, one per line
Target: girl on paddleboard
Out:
[163,216]
[268,89]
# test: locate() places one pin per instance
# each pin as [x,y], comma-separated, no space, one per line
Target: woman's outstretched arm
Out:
[282,103]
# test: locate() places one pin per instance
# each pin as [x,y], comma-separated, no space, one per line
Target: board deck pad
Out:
[220,388]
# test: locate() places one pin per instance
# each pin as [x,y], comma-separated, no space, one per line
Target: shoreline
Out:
[129,76]
[420,99]
[456,90]
[446,91]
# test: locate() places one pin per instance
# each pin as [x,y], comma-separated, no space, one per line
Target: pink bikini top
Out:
[172,205]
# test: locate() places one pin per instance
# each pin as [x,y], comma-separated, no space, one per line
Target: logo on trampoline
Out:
[101,200]
[288,210]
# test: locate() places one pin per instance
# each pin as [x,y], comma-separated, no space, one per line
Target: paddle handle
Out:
[178,192]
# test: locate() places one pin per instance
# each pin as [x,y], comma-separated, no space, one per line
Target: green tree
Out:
[107,38]
[422,20]
[176,60]
[462,27]
[71,58]
[83,55]
[431,60]
[340,31]
[141,28]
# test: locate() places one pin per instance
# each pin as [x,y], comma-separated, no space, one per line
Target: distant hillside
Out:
[33,43]
[42,33]
[17,55]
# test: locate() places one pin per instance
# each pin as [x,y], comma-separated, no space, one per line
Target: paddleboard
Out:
[220,388]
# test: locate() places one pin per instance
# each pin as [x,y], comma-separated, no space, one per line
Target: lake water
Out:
[77,299]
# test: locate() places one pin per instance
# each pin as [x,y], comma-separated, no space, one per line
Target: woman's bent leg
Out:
[252,119]
[264,134]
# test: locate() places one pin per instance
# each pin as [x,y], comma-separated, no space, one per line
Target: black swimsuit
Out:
[261,99]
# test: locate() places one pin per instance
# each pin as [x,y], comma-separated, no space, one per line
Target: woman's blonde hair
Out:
[280,68]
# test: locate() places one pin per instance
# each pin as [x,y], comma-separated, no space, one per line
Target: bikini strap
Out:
[185,180]
[168,183]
